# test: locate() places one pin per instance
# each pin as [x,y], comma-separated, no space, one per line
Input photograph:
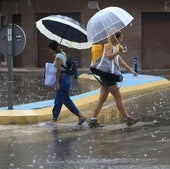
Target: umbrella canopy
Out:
[65,30]
[107,22]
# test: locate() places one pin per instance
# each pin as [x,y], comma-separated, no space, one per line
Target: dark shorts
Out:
[107,83]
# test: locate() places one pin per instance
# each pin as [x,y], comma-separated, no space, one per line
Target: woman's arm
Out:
[58,73]
[109,51]
[126,66]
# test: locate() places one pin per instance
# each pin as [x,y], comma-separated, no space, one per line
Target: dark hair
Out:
[114,37]
[53,45]
[118,34]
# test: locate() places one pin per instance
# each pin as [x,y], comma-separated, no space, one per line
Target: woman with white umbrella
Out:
[112,53]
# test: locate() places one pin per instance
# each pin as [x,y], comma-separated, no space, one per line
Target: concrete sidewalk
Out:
[41,111]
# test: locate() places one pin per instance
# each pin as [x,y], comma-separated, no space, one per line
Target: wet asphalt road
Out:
[66,146]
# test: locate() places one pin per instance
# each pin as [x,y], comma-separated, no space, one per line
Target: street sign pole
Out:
[10,66]
[12,43]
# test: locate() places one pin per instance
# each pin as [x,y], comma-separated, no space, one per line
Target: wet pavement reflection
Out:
[66,146]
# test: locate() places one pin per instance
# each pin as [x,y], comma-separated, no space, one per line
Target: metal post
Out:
[136,64]
[76,73]
[10,67]
[12,43]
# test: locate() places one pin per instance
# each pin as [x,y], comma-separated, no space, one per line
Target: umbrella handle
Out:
[124,49]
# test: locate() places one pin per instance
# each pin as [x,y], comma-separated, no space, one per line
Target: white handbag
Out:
[50,74]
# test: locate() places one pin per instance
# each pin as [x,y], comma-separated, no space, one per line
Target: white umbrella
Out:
[65,30]
[107,22]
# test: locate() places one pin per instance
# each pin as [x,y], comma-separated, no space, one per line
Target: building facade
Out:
[148,37]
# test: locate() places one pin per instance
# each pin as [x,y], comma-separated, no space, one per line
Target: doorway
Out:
[155,40]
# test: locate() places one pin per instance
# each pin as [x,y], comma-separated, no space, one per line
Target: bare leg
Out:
[116,93]
[102,98]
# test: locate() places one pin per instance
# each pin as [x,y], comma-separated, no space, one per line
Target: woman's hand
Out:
[120,48]
[134,73]
[57,86]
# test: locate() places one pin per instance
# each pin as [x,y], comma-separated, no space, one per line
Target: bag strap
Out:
[99,81]
[62,64]
[113,66]
[101,59]
[112,62]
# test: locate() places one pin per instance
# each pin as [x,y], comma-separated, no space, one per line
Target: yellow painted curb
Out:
[84,104]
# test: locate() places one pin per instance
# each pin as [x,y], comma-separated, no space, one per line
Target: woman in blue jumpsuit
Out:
[63,85]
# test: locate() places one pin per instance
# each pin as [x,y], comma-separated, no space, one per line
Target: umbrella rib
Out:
[63,34]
